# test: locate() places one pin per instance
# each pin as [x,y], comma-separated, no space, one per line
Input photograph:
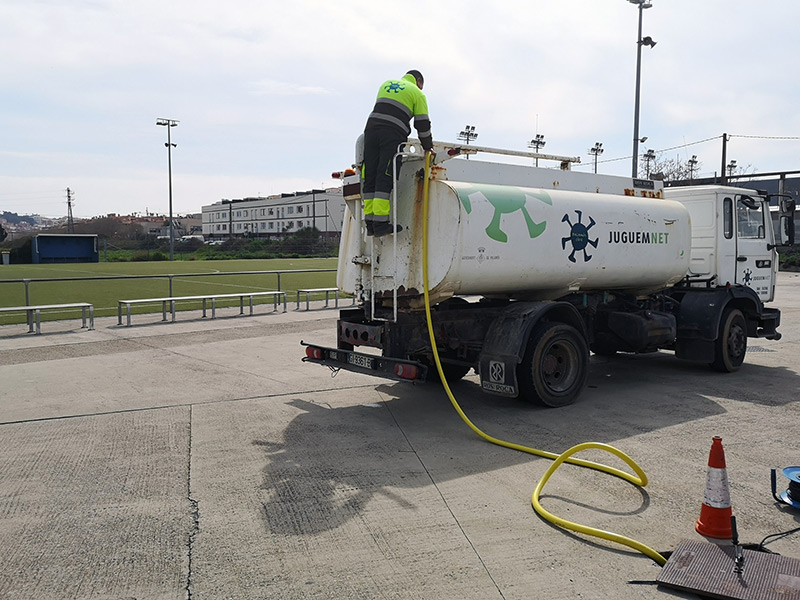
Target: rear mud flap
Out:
[499,375]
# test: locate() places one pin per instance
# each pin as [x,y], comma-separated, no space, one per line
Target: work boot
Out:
[370,227]
[380,229]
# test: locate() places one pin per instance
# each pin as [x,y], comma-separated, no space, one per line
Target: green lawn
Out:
[105,294]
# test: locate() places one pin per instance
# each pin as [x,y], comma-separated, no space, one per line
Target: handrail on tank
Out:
[448,150]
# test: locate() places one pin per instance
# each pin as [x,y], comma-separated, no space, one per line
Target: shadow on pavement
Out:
[333,460]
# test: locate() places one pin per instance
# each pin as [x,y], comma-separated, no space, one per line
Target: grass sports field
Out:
[104,294]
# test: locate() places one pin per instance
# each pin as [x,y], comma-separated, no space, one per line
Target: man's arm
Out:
[422,123]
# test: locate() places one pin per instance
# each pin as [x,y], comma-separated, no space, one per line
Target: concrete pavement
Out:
[203,459]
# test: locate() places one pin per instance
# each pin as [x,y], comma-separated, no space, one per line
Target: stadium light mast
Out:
[595,151]
[537,143]
[169,124]
[467,134]
[647,41]
[692,162]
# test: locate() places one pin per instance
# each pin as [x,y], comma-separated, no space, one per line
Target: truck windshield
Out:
[750,217]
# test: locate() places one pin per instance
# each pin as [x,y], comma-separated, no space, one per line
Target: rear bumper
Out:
[368,364]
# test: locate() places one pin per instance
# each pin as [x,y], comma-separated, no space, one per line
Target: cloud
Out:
[269,94]
[269,87]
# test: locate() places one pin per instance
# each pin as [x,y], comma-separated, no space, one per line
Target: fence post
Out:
[170,286]
[27,292]
[279,282]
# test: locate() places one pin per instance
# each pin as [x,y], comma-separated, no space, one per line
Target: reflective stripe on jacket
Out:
[397,103]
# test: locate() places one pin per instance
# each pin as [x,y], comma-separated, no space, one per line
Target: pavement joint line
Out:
[131,344]
[179,405]
[195,509]
[444,500]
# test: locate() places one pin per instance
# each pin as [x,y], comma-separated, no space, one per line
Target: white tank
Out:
[522,242]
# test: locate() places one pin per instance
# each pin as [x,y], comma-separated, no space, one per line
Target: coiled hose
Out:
[640,478]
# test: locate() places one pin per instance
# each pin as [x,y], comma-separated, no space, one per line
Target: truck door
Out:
[754,266]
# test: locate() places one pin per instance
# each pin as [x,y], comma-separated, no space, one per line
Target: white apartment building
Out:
[275,215]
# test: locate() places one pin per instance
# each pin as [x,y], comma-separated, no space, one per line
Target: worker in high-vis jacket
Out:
[387,127]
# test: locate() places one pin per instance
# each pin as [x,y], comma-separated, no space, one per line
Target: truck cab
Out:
[733,241]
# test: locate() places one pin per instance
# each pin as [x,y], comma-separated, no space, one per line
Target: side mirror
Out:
[749,202]
[787,229]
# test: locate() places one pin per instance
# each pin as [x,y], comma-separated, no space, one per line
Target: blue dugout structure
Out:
[65,248]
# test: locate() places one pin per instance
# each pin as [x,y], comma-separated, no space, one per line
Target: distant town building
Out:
[275,216]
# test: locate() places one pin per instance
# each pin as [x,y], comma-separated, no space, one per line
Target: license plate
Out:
[361,361]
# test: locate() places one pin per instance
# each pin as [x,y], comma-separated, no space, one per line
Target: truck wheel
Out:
[731,343]
[555,365]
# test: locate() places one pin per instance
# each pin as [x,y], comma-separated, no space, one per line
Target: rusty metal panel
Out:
[708,569]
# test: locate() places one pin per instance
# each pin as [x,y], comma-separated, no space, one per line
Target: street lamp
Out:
[169,124]
[468,134]
[537,143]
[731,168]
[647,41]
[596,150]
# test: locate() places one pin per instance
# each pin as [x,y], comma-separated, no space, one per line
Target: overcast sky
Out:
[272,95]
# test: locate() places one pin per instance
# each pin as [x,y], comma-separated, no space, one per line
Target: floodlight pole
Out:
[692,162]
[595,151]
[537,144]
[169,124]
[468,134]
[639,43]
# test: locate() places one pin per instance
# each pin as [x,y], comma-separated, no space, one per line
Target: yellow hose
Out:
[639,479]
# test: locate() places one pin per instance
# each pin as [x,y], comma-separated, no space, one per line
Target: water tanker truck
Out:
[530,269]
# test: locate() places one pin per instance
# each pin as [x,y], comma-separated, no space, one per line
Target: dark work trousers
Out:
[380,145]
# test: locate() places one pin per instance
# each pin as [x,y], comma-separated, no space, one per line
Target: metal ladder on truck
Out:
[404,150]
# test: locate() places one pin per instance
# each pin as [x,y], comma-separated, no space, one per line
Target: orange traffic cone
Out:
[715,514]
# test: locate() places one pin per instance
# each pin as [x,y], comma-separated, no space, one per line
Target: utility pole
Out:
[725,138]
[70,222]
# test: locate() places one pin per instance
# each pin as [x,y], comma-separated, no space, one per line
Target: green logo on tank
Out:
[505,200]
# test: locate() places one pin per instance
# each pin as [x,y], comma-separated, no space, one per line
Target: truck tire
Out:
[730,346]
[555,365]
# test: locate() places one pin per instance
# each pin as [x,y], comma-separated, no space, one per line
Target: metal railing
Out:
[279,274]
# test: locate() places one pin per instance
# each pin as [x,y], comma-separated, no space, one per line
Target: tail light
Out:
[406,371]
[314,353]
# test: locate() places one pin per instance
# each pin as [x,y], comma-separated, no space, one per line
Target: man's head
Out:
[418,76]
